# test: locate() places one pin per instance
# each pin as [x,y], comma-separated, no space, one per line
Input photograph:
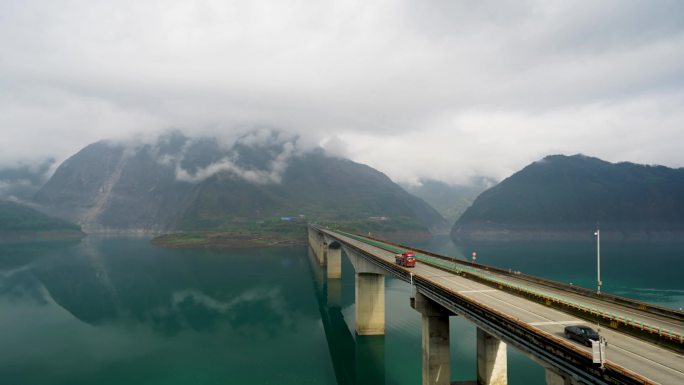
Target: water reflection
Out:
[119,310]
[101,281]
[648,271]
[357,360]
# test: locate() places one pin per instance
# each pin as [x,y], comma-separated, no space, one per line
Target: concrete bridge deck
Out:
[627,353]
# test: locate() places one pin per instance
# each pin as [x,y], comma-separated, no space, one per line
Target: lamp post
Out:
[598,261]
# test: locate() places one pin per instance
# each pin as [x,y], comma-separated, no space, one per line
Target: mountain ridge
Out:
[449,200]
[565,197]
[198,184]
[21,222]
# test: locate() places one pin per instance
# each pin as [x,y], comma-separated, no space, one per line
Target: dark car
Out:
[583,334]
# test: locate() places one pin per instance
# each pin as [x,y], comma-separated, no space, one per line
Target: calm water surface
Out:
[120,311]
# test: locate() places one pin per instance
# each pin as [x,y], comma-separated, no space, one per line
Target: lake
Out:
[120,311]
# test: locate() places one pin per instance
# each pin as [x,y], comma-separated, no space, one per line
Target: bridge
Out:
[645,342]
[356,361]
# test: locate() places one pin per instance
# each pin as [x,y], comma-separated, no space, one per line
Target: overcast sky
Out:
[417,89]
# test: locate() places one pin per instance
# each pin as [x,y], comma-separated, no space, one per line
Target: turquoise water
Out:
[648,271]
[121,311]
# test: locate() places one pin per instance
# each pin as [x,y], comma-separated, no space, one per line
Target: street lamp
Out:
[598,261]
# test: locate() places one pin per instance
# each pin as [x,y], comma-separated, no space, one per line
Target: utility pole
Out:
[598,261]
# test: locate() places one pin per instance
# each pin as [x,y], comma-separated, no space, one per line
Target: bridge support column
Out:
[370,304]
[322,252]
[317,243]
[334,257]
[436,353]
[492,366]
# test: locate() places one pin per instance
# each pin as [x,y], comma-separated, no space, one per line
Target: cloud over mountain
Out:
[468,88]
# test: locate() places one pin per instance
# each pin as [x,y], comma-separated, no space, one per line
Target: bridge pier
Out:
[369,295]
[492,366]
[370,304]
[436,350]
[334,259]
[317,243]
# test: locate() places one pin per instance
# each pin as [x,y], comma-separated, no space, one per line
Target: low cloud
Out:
[20,181]
[279,147]
[272,175]
[439,89]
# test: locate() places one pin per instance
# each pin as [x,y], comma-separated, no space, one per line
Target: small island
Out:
[286,231]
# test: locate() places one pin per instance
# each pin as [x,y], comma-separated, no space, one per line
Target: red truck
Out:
[406,259]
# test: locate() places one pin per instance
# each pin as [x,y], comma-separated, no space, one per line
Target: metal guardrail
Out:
[663,311]
[544,346]
[655,334]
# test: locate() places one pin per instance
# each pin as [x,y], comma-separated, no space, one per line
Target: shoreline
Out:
[48,235]
[224,240]
[244,240]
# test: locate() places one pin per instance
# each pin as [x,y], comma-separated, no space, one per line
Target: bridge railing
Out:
[553,350]
[644,330]
[628,302]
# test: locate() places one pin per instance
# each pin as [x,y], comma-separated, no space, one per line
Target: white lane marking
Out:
[568,296]
[552,323]
[621,310]
[611,345]
[508,303]
[645,358]
[476,291]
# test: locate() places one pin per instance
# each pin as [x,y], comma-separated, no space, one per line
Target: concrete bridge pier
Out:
[317,243]
[492,367]
[436,353]
[333,255]
[370,304]
[369,295]
[318,273]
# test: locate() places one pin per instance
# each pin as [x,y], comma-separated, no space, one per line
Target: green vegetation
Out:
[321,189]
[15,217]
[568,193]
[21,223]
[278,232]
[148,193]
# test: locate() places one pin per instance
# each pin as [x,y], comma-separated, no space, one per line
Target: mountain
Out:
[21,222]
[450,201]
[564,197]
[179,183]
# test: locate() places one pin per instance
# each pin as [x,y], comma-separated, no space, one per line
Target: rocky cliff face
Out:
[107,187]
[179,183]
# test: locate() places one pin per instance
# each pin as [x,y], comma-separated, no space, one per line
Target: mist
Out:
[445,90]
